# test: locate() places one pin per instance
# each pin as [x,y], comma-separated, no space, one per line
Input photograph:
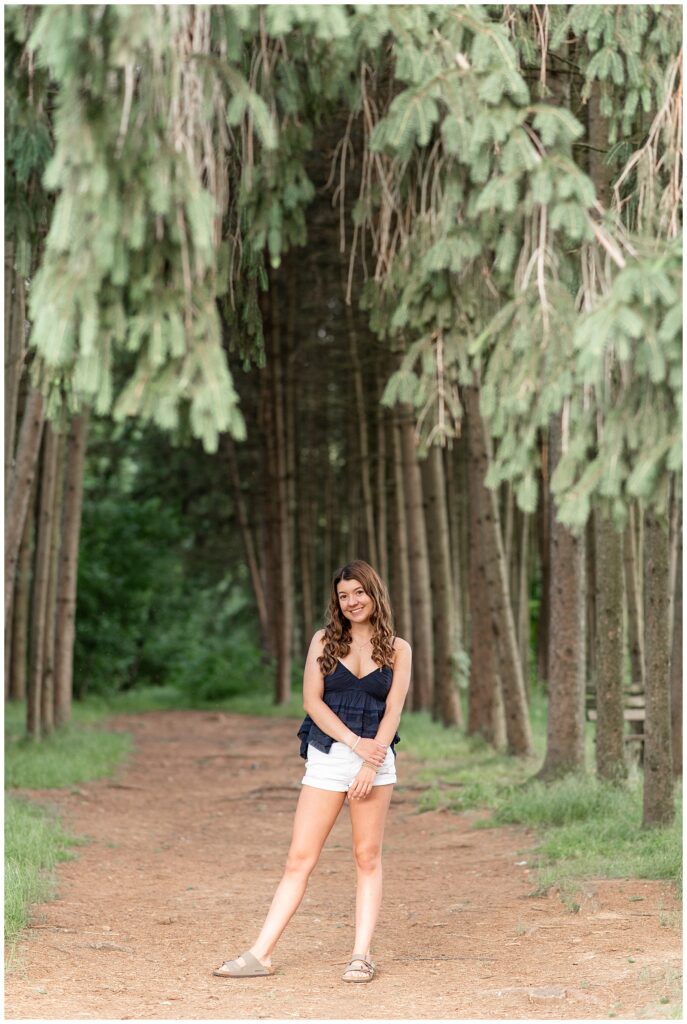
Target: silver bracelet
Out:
[356,743]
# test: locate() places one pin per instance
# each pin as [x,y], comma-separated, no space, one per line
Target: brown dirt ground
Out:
[188,844]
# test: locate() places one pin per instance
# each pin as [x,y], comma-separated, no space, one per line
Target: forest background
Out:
[287,286]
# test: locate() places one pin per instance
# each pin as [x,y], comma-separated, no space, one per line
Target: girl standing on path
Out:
[355,683]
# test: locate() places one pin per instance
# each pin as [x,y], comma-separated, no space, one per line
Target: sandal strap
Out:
[252,961]
[368,966]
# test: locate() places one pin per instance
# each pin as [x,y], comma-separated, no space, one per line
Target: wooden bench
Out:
[634,713]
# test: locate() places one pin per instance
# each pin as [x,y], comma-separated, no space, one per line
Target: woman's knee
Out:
[368,856]
[300,862]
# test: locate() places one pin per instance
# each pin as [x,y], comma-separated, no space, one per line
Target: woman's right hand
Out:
[371,750]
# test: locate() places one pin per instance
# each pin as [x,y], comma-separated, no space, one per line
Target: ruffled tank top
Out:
[359,702]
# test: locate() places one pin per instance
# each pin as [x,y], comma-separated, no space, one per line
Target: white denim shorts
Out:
[337,769]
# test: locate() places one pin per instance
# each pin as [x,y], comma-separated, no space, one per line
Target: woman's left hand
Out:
[362,783]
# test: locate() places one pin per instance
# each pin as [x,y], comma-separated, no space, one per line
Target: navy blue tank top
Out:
[359,702]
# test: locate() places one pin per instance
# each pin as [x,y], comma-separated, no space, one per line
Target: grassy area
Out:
[34,838]
[584,827]
[34,843]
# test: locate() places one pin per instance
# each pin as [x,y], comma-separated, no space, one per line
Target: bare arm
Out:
[397,694]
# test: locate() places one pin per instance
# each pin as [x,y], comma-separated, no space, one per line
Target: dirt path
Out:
[189,844]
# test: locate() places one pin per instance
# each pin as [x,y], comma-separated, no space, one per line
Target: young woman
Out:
[354,686]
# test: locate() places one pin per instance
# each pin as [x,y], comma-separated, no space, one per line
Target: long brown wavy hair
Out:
[337,632]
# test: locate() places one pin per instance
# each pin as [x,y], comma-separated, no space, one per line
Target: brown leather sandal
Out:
[251,968]
[368,969]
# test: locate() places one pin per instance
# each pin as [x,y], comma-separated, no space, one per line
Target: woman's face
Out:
[355,604]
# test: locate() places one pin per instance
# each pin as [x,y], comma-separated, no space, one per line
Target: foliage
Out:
[493,258]
[498,257]
[28,144]
[130,584]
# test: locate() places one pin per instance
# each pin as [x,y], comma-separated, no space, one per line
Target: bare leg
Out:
[368,817]
[316,812]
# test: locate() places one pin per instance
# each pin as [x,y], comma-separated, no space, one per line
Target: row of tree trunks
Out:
[41,586]
[41,658]
[441,544]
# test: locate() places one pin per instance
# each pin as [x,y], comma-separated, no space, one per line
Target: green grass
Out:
[74,754]
[589,828]
[34,838]
[584,827]
[34,843]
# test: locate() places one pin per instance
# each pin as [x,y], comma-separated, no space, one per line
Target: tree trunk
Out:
[454,508]
[49,646]
[590,671]
[523,602]
[20,488]
[15,354]
[41,579]
[420,593]
[486,715]
[229,448]
[382,542]
[20,602]
[518,728]
[287,357]
[363,442]
[280,496]
[269,512]
[69,564]
[635,625]
[658,766]
[543,519]
[401,574]
[446,706]
[329,541]
[610,746]
[567,660]
[676,658]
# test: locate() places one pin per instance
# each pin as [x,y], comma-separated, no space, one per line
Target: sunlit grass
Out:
[72,754]
[34,838]
[584,827]
[34,843]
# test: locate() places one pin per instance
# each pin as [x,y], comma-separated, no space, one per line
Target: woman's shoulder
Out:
[318,639]
[401,646]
